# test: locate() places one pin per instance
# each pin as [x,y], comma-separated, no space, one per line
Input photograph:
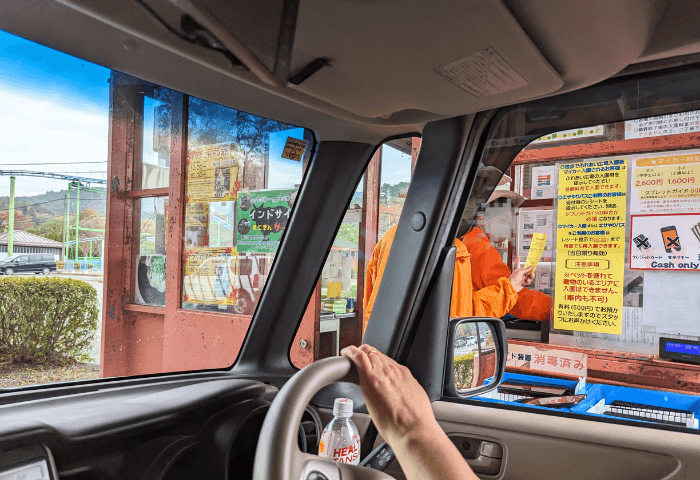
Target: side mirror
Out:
[477,350]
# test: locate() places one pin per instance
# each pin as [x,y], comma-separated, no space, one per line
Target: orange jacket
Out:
[488,268]
[491,301]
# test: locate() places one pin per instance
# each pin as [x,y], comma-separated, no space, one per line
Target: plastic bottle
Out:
[340,440]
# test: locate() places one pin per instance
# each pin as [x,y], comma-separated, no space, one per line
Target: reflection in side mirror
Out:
[474,356]
[478,354]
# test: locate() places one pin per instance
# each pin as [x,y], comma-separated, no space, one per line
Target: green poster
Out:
[262,217]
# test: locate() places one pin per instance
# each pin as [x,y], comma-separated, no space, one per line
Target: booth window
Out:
[199,198]
[611,217]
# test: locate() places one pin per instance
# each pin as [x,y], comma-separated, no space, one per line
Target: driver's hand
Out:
[401,411]
[395,400]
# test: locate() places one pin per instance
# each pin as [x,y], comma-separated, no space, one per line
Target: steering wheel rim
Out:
[277,456]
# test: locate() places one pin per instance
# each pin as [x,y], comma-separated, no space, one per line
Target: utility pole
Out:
[11,218]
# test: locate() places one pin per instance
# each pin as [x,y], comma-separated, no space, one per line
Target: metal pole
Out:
[77,219]
[11,218]
[65,227]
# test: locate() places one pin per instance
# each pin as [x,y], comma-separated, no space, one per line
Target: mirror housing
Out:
[481,372]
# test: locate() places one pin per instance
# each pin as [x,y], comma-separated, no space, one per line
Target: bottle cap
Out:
[342,407]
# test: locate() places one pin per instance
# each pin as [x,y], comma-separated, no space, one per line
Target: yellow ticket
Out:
[536,248]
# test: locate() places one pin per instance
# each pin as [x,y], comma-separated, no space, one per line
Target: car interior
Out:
[477,81]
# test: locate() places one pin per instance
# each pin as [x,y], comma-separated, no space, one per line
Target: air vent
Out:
[310,431]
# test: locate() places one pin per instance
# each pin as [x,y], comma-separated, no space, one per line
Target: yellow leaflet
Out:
[536,248]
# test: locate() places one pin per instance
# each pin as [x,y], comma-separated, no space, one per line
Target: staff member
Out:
[494,224]
[490,301]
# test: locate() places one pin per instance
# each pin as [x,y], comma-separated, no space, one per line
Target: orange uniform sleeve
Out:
[495,300]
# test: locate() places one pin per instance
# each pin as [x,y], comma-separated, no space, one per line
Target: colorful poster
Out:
[590,263]
[677,123]
[213,172]
[531,222]
[666,184]
[665,242]
[211,276]
[261,219]
[542,182]
[196,224]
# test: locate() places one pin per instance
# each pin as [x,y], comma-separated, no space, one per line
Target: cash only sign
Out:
[590,263]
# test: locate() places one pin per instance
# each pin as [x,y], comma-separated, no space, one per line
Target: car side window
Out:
[177,203]
[338,310]
[609,216]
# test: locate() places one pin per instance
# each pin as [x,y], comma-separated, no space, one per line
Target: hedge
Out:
[47,318]
[464,371]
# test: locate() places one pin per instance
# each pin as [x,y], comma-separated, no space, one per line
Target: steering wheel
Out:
[278,456]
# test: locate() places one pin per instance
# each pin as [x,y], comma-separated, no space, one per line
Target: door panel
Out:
[548,447]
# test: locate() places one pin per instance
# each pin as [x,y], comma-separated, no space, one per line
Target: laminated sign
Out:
[211,276]
[261,219]
[590,246]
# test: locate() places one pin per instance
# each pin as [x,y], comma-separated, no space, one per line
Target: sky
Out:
[54,118]
[54,111]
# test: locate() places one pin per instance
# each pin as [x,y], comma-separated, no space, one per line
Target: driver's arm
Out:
[401,411]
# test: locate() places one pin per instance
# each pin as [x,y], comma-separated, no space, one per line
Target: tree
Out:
[53,229]
[349,232]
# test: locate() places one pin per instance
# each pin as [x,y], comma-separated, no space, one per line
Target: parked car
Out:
[28,263]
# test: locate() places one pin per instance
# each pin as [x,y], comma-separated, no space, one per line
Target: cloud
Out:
[36,129]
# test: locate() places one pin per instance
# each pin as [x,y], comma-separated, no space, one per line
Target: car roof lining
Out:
[382,81]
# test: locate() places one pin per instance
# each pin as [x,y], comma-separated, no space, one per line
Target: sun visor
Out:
[471,57]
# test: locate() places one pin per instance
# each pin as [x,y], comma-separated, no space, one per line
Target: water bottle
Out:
[340,440]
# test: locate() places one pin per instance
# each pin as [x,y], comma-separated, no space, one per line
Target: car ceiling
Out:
[382,80]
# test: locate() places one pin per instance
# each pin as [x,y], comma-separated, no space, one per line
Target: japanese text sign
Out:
[261,219]
[547,360]
[211,276]
[590,259]
[665,242]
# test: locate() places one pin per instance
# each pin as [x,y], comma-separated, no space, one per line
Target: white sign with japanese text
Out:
[547,360]
[686,122]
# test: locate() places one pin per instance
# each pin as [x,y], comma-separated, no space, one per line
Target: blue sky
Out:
[54,114]
[54,118]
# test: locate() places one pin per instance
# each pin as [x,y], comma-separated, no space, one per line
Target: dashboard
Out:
[191,427]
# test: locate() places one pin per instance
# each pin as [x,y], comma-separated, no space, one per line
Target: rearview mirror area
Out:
[475,356]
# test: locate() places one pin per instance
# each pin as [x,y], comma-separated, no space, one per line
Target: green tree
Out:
[52,229]
[349,232]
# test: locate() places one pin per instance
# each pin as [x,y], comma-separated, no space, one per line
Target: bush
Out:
[47,318]
[60,264]
[464,371]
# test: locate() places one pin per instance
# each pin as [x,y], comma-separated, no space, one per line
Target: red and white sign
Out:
[547,360]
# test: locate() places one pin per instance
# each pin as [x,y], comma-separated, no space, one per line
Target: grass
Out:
[19,374]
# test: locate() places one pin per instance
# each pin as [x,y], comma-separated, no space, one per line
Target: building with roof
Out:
[25,242]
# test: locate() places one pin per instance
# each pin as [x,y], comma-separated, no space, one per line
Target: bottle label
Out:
[332,447]
[349,454]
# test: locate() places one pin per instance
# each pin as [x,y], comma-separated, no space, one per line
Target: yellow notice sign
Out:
[294,149]
[537,245]
[590,262]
